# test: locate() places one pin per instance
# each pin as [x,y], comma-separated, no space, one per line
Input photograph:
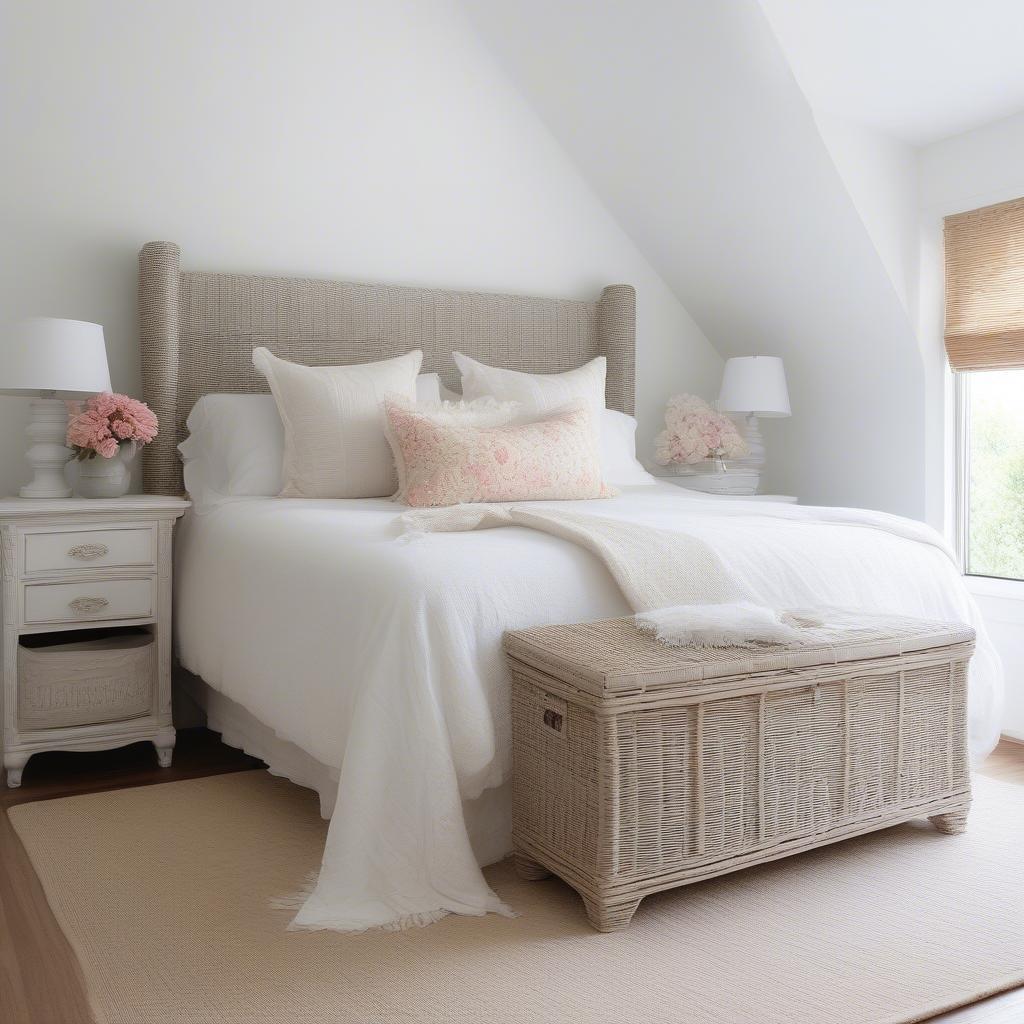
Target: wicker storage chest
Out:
[639,767]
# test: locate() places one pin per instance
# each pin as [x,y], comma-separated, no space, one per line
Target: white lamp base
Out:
[753,461]
[47,453]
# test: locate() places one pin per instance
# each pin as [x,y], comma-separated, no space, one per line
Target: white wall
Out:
[365,141]
[881,175]
[687,120]
[974,169]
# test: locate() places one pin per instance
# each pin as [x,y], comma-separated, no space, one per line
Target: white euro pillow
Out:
[334,443]
[541,393]
[536,393]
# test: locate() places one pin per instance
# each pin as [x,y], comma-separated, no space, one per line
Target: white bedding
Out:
[383,659]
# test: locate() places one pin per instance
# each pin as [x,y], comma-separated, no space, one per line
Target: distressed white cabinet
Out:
[86,605]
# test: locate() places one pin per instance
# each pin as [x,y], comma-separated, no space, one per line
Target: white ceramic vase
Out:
[107,478]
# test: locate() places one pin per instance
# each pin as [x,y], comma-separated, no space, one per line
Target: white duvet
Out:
[382,657]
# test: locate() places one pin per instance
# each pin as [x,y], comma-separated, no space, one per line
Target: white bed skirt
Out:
[488,817]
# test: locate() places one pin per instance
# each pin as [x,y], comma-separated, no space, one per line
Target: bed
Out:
[366,663]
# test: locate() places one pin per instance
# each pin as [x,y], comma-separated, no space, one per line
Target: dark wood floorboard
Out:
[40,981]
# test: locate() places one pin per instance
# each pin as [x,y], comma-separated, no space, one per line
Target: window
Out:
[993,473]
[985,344]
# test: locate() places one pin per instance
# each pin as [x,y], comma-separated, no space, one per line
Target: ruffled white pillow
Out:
[334,443]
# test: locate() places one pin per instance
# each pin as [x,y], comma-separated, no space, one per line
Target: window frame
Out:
[961,467]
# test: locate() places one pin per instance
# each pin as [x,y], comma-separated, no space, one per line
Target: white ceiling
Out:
[917,70]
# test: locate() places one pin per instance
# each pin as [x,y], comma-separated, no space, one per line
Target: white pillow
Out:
[234,448]
[235,445]
[619,464]
[334,443]
[537,393]
[447,395]
[428,388]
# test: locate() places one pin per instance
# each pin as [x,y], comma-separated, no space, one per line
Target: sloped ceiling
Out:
[915,70]
[687,121]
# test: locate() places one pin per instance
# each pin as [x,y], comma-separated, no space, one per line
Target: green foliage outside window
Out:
[995,543]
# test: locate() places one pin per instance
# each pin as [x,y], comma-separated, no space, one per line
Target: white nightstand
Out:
[86,625]
[677,481]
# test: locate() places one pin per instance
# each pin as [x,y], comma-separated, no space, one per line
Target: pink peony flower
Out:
[106,422]
[694,432]
[107,447]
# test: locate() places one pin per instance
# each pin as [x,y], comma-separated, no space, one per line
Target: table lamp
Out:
[53,360]
[754,386]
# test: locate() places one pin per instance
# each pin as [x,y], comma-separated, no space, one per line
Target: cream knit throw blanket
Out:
[677,585]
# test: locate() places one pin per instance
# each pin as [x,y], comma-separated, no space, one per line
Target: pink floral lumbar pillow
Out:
[447,460]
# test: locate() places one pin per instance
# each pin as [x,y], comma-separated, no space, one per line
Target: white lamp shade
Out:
[45,354]
[754,384]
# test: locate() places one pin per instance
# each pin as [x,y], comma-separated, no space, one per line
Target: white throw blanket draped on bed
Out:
[654,568]
[679,588]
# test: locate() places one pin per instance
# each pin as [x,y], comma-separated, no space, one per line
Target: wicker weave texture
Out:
[625,795]
[198,331]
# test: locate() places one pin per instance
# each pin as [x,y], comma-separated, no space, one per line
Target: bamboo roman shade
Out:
[985,288]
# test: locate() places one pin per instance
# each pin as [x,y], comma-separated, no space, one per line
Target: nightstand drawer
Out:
[89,549]
[90,601]
[111,679]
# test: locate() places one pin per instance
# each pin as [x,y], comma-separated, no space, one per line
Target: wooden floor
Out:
[40,982]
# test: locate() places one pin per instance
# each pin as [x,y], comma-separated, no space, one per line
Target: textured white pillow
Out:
[537,393]
[619,464]
[235,445]
[334,443]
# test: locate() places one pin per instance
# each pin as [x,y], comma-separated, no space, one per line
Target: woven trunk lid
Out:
[614,657]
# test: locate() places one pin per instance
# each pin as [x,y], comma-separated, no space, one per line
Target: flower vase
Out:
[107,478]
[716,476]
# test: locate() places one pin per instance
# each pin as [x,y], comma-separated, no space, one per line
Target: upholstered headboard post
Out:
[159,324]
[616,327]
[198,331]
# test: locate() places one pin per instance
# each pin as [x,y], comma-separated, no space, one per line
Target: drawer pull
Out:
[88,552]
[86,605]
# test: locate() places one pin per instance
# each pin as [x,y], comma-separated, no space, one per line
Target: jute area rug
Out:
[165,894]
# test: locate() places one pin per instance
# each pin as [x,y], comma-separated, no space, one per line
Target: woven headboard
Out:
[198,331]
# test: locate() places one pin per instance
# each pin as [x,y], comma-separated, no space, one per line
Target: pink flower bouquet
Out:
[695,432]
[107,422]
